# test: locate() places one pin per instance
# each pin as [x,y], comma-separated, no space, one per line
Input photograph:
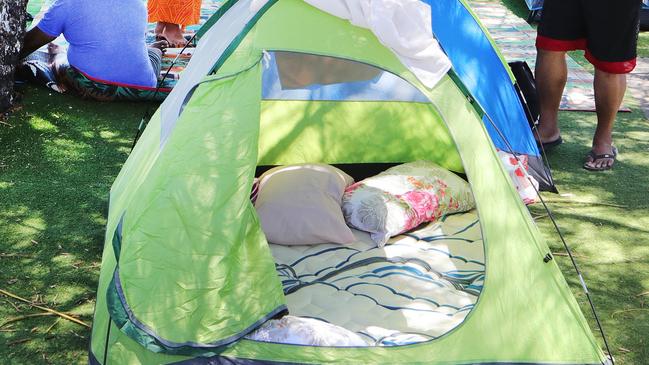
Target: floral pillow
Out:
[403,197]
[525,184]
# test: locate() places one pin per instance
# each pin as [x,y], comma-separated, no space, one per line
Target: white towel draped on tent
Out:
[404,26]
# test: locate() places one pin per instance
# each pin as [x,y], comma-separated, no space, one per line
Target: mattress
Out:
[419,286]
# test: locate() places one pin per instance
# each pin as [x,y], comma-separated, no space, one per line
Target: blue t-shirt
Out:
[107,38]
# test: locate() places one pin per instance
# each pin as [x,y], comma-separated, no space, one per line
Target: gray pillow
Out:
[301,205]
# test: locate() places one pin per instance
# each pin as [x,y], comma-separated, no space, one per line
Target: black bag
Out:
[526,88]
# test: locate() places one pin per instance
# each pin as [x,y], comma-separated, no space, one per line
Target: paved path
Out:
[638,84]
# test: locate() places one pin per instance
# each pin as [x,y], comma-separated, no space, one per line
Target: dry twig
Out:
[62,315]
[20,318]
[540,216]
[23,340]
[565,254]
[13,305]
[557,201]
[52,326]
[2,254]
[630,310]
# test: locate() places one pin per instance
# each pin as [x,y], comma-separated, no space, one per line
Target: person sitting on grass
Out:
[107,40]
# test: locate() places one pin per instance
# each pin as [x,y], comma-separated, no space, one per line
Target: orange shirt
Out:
[183,12]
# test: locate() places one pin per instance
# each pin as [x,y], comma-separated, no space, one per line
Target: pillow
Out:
[300,205]
[254,191]
[305,331]
[402,197]
[525,184]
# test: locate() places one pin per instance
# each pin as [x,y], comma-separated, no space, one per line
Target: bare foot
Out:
[54,49]
[601,157]
[55,55]
[547,134]
[174,35]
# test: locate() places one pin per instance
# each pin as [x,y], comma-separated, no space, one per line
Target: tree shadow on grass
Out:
[615,265]
[614,289]
[604,218]
[61,155]
[627,183]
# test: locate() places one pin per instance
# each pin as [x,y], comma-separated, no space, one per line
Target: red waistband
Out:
[138,87]
[559,45]
[623,67]
[551,44]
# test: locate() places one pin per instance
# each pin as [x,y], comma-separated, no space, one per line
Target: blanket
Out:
[418,287]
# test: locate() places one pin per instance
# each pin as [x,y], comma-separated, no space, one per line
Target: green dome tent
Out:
[186,270]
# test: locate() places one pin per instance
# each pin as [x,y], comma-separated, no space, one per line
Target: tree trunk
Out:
[12,32]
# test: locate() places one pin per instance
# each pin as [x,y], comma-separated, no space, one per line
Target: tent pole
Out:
[535,130]
[556,227]
[106,344]
[147,113]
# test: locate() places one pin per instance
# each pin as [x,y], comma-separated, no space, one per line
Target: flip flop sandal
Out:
[546,146]
[595,157]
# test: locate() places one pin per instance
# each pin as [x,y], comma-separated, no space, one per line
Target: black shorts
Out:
[606,29]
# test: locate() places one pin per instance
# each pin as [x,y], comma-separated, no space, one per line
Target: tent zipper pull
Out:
[547,258]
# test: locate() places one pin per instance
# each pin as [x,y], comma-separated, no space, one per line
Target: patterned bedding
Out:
[419,286]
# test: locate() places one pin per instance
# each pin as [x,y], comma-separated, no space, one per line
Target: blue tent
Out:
[482,69]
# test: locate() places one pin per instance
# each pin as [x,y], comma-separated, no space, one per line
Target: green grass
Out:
[605,218]
[643,44]
[60,155]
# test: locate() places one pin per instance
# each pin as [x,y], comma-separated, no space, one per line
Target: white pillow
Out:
[301,205]
[305,331]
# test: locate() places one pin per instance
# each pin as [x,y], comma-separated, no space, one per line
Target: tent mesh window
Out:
[301,76]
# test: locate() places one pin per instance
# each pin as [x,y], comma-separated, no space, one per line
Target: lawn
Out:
[60,155]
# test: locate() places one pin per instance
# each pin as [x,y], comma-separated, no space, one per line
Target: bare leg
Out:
[159,28]
[58,63]
[53,50]
[551,75]
[609,92]
[174,35]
